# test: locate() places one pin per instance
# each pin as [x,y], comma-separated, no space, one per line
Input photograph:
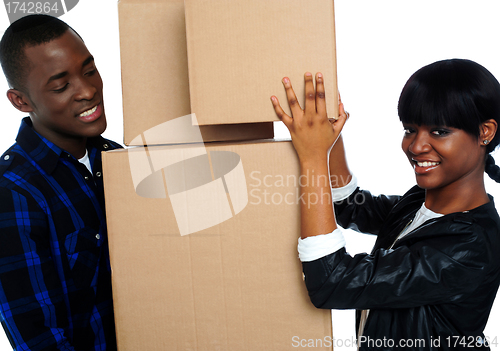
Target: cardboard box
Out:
[227,278]
[155,79]
[238,53]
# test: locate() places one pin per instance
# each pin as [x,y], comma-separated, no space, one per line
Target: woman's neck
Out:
[456,197]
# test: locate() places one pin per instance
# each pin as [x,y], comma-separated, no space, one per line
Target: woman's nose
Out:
[420,144]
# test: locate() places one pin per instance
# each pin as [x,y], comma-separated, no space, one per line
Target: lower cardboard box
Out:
[203,245]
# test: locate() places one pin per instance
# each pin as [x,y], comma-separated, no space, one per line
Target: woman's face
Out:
[443,156]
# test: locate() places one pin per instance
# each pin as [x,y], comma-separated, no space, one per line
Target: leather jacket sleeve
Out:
[363,212]
[443,260]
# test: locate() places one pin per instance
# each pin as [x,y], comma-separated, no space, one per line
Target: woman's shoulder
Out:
[477,230]
[485,216]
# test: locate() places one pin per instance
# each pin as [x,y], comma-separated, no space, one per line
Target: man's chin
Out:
[97,128]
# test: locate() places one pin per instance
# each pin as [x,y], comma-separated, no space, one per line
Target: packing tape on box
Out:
[205,188]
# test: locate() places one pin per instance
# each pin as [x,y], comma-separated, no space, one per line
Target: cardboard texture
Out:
[239,51]
[235,285]
[155,73]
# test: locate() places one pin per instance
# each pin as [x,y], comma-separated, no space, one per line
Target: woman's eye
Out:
[440,132]
[91,73]
[408,131]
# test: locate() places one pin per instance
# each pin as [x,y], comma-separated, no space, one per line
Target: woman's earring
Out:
[486,141]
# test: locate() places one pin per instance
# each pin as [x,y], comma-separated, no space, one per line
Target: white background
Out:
[379,45]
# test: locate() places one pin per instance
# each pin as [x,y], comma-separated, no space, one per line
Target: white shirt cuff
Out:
[314,247]
[339,194]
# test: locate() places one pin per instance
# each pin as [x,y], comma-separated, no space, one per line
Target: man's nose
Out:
[86,90]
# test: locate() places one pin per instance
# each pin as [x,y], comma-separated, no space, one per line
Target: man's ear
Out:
[19,100]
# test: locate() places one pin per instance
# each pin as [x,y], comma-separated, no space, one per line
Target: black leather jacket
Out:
[432,291]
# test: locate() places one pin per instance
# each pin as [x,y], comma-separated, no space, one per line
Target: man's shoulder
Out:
[104,144]
[15,166]
[12,166]
[113,144]
[9,157]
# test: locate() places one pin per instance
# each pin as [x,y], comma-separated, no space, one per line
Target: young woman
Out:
[434,271]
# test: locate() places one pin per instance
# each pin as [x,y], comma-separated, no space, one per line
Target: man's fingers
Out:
[310,95]
[320,95]
[292,99]
[280,113]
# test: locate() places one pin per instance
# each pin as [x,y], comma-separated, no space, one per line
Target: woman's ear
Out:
[19,100]
[488,130]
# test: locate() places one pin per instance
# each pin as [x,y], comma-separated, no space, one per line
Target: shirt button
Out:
[98,236]
[86,177]
[105,146]
[98,174]
[6,157]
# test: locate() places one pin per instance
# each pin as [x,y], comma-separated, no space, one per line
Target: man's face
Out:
[64,91]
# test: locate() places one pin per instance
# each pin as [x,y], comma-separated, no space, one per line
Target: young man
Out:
[55,277]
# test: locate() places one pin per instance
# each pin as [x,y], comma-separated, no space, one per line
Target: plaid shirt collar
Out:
[45,153]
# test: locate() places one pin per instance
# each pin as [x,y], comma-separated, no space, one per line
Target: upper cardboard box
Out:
[155,79]
[238,53]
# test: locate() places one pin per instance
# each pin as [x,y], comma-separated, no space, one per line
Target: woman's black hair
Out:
[455,93]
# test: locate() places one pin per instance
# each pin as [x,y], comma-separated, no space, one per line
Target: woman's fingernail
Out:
[273,99]
[286,81]
[320,75]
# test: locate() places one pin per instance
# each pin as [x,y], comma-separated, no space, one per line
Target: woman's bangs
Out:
[433,106]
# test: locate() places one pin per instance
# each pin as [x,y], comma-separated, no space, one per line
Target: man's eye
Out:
[60,90]
[91,73]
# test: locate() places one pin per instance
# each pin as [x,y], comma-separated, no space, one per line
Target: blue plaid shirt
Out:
[55,276]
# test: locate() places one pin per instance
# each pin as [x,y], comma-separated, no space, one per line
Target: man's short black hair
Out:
[27,31]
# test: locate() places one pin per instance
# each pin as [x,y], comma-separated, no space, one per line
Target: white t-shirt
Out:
[85,160]
[422,215]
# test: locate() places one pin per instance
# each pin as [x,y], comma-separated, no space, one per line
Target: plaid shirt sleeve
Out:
[31,294]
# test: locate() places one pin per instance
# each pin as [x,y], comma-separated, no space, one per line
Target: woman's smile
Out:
[424,166]
[437,155]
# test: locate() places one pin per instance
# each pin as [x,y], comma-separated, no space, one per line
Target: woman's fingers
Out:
[342,110]
[320,95]
[310,95]
[292,98]
[315,102]
[338,124]
[279,111]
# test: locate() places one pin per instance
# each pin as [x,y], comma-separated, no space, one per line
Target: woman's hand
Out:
[313,134]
